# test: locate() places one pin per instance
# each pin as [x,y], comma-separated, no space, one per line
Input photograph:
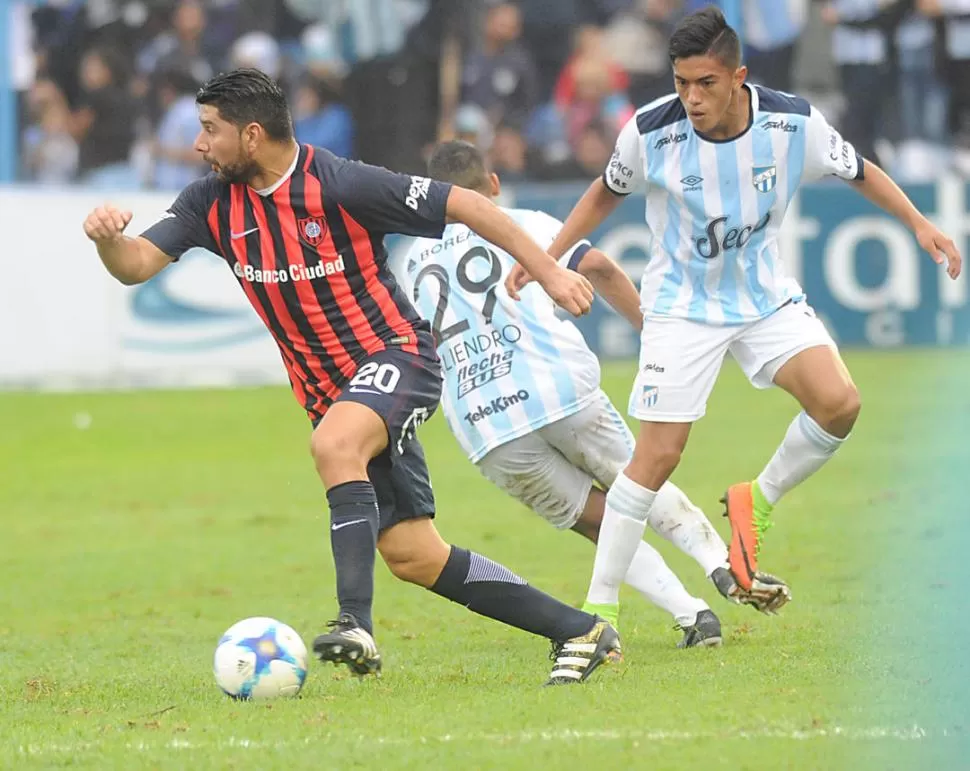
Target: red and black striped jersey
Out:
[309,254]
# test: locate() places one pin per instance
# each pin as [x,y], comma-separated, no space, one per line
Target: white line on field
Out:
[913,733]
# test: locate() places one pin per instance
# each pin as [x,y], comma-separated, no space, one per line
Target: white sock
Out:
[651,576]
[625,518]
[804,450]
[678,520]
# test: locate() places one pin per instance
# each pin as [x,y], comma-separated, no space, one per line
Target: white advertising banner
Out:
[65,323]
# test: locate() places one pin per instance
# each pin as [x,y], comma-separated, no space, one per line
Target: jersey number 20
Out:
[484,286]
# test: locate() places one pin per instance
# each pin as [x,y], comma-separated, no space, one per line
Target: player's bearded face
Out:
[224,147]
[239,168]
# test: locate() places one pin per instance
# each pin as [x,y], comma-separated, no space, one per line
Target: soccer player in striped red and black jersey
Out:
[303,231]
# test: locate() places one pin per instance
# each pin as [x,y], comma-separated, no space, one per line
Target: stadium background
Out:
[95,105]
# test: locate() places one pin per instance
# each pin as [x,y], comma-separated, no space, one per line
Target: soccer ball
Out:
[260,658]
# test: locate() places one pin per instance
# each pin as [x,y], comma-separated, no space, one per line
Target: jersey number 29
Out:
[484,286]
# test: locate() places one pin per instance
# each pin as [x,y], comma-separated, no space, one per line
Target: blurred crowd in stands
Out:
[106,87]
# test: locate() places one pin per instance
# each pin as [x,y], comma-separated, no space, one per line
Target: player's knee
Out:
[414,552]
[658,460]
[414,565]
[851,405]
[331,448]
[839,411]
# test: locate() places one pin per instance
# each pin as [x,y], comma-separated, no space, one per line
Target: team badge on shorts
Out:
[311,229]
[764,178]
[648,396]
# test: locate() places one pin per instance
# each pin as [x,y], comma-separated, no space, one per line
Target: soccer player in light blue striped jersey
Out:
[720,160]
[522,394]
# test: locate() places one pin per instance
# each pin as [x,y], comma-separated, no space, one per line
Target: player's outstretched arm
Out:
[877,186]
[130,260]
[613,284]
[568,289]
[597,203]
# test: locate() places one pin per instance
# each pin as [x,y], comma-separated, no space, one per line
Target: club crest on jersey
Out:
[764,178]
[311,229]
[648,396]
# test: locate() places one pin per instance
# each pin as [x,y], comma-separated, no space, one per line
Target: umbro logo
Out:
[692,182]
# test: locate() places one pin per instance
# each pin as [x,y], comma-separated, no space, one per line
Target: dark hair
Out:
[459,163]
[247,96]
[704,33]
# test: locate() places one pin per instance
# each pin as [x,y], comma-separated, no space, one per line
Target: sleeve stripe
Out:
[577,256]
[860,164]
[609,187]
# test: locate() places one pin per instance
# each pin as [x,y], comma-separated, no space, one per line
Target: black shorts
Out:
[404,389]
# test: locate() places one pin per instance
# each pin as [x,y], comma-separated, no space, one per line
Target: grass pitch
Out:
[138,526]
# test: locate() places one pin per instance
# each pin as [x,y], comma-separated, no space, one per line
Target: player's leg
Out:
[597,441]
[679,521]
[793,350]
[596,444]
[652,577]
[415,552]
[538,475]
[679,364]
[628,504]
[391,393]
[342,446]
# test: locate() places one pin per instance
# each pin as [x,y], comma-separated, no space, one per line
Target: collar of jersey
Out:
[267,191]
[751,112]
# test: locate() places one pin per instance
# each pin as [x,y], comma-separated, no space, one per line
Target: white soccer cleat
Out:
[349,643]
[577,658]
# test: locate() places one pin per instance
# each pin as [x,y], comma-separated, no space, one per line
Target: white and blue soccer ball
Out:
[260,658]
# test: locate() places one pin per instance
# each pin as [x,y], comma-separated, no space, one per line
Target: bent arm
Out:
[597,203]
[878,187]
[132,260]
[612,283]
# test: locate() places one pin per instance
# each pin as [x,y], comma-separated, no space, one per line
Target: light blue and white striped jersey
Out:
[714,208]
[509,367]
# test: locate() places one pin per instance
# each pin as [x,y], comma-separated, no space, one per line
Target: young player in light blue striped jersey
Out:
[720,161]
[522,395]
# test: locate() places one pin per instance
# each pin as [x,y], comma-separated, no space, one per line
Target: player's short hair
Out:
[247,96]
[460,163]
[706,33]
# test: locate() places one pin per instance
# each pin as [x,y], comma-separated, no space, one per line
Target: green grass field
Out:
[131,544]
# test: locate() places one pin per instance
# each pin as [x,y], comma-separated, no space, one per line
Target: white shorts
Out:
[680,359]
[553,469]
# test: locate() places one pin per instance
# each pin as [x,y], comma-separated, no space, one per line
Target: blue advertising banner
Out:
[864,273]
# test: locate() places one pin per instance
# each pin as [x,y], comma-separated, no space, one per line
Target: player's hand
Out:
[106,223]
[940,247]
[570,290]
[518,277]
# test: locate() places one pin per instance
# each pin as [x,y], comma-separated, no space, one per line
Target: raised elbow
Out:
[596,265]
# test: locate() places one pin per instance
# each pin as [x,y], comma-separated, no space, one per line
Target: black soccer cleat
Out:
[768,593]
[705,632]
[576,659]
[349,643]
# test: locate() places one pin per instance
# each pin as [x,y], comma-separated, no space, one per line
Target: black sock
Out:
[354,520]
[495,591]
